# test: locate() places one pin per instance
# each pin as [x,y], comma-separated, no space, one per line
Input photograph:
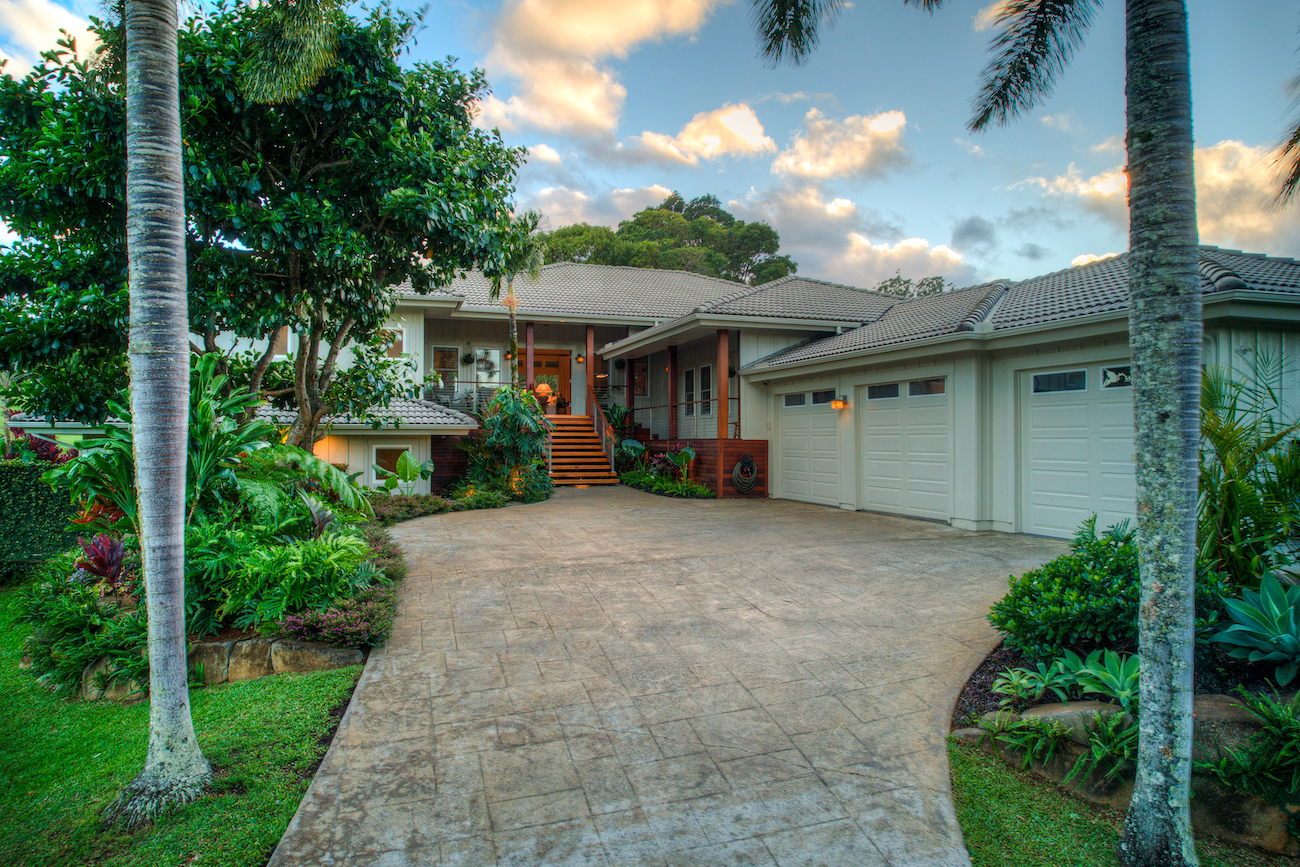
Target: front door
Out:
[552,366]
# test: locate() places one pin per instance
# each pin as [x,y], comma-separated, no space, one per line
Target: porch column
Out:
[528,355]
[672,391]
[591,363]
[724,364]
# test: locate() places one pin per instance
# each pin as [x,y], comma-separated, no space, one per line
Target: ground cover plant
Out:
[64,761]
[666,473]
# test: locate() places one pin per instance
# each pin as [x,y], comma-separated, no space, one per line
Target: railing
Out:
[467,395]
[601,426]
[695,424]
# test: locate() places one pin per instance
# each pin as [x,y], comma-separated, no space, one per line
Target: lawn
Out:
[63,761]
[1015,819]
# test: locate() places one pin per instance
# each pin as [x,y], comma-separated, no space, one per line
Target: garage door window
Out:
[1120,376]
[795,399]
[823,397]
[919,387]
[1069,380]
[882,392]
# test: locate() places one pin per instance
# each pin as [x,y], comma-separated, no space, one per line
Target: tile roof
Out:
[907,320]
[797,297]
[594,290]
[410,413]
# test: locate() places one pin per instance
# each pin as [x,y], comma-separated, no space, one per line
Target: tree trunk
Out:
[514,332]
[1165,338]
[175,770]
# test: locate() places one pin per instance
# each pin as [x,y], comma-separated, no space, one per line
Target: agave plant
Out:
[1266,627]
[1111,675]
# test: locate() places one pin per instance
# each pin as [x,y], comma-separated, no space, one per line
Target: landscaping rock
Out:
[1240,818]
[214,656]
[971,737]
[24,662]
[289,656]
[250,659]
[1077,716]
[117,690]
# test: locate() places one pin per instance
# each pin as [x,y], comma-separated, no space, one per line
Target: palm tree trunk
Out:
[175,770]
[514,333]
[1165,338]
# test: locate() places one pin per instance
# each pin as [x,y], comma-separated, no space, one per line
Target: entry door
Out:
[554,364]
[810,447]
[904,444]
[1076,444]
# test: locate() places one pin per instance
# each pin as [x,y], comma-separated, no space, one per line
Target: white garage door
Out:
[1076,448]
[810,447]
[904,442]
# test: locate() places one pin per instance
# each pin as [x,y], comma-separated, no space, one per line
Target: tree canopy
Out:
[303,215]
[698,236]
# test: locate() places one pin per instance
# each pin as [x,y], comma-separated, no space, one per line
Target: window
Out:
[1068,380]
[397,346]
[823,397]
[1120,376]
[921,387]
[282,342]
[688,393]
[639,367]
[386,459]
[706,390]
[795,399]
[446,365]
[882,392]
[487,366]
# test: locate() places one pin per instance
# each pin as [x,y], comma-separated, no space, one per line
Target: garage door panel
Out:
[928,473]
[904,449]
[810,454]
[1076,458]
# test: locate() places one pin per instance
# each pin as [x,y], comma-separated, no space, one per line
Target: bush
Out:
[508,452]
[463,497]
[1088,599]
[35,520]
[654,483]
[73,628]
[365,619]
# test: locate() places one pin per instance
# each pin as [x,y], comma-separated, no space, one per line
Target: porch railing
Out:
[695,419]
[601,426]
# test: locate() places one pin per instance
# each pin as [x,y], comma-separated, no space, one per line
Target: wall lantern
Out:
[840,402]
[509,355]
[581,358]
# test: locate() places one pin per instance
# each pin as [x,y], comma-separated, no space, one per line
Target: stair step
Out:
[560,483]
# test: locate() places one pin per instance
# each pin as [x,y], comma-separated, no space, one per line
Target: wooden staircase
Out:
[576,455]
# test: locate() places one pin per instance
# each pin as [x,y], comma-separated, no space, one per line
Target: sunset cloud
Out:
[28,27]
[730,130]
[861,145]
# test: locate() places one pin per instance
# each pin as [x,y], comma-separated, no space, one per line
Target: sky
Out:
[860,158]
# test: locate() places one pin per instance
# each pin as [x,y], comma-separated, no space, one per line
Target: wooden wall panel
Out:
[449,462]
[715,459]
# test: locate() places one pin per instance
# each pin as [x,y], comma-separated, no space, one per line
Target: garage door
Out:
[904,463]
[810,447]
[1076,448]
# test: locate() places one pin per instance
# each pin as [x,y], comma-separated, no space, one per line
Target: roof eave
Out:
[641,343]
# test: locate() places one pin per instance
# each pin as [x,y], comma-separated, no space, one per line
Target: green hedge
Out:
[34,520]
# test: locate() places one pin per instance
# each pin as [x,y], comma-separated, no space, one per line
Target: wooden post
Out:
[591,363]
[723,380]
[672,391]
[528,355]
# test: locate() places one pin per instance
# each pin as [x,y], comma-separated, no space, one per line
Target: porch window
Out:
[446,365]
[638,368]
[487,366]
[688,391]
[706,390]
[397,346]
[282,342]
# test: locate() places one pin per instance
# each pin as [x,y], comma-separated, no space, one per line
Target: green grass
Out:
[62,761]
[1011,818]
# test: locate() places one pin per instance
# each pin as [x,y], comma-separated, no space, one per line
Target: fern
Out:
[290,467]
[263,499]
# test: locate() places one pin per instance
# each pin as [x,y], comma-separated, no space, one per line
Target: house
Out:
[1004,406]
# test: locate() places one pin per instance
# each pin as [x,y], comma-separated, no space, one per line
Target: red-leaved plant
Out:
[103,560]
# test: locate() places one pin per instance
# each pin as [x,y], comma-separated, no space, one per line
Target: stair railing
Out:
[601,427]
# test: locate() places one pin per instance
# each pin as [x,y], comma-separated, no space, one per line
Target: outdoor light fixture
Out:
[840,402]
[509,355]
[581,358]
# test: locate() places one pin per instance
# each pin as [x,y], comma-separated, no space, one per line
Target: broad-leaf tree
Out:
[1035,42]
[523,252]
[302,215]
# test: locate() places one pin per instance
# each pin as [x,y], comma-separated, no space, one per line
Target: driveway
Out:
[616,678]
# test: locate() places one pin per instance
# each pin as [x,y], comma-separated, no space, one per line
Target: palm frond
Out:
[290,45]
[790,29]
[1289,157]
[1035,42]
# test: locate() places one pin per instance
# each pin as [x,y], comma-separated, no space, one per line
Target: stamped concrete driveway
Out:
[615,678]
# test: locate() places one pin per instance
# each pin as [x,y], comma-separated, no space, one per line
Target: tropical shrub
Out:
[33,518]
[461,497]
[655,483]
[1110,675]
[1088,598]
[1265,627]
[508,451]
[365,619]
[72,628]
[1267,766]
[404,476]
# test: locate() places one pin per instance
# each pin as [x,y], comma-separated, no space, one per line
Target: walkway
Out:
[615,678]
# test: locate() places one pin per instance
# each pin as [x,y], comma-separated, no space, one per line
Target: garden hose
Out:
[745,474]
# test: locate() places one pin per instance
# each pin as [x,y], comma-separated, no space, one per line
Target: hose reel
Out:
[745,474]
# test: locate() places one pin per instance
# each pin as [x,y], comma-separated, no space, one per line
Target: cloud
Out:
[555,51]
[970,146]
[1034,218]
[28,27]
[564,206]
[859,145]
[1113,144]
[1235,183]
[987,18]
[545,153]
[1089,258]
[1033,252]
[974,233]
[833,239]
[798,96]
[732,129]
[1062,122]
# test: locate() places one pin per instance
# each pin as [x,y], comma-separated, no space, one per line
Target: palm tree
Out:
[525,253]
[1035,42]
[175,770]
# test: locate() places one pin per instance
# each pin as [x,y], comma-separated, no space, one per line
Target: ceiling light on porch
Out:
[840,402]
